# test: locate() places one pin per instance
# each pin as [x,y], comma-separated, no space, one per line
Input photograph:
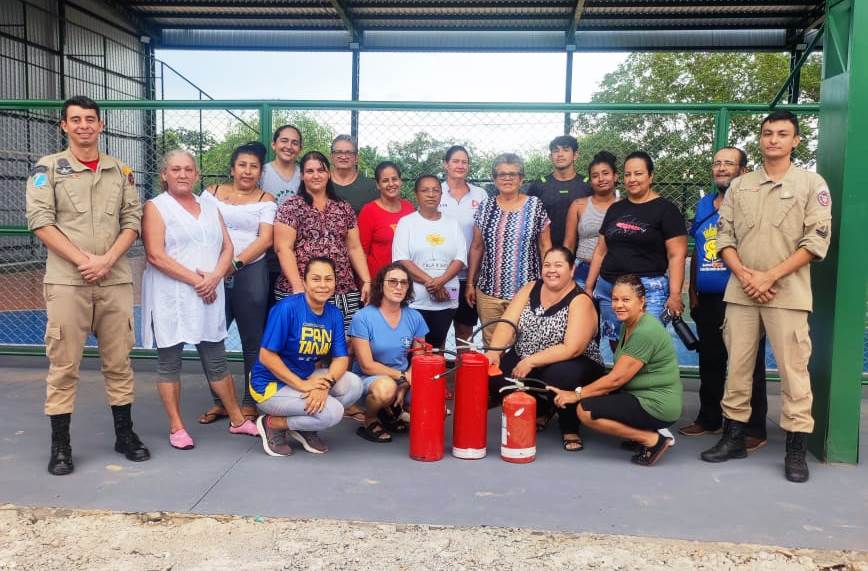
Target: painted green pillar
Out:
[838,323]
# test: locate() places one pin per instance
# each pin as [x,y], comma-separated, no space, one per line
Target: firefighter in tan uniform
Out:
[773,223]
[84,206]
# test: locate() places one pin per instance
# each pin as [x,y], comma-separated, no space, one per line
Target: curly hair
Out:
[378,284]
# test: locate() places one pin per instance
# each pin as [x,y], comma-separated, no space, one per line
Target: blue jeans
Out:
[656,294]
[581,273]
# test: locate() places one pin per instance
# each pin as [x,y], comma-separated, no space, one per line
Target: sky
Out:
[518,77]
[468,77]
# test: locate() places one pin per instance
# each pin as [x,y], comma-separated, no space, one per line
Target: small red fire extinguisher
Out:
[427,422]
[518,422]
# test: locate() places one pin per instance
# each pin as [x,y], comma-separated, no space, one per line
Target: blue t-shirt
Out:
[388,346]
[711,273]
[301,338]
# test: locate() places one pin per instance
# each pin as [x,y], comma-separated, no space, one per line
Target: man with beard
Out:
[708,279]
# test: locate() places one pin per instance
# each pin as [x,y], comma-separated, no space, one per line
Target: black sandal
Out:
[543,421]
[390,416]
[568,443]
[374,432]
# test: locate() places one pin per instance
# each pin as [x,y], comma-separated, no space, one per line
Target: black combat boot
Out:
[128,442]
[795,466]
[730,445]
[60,463]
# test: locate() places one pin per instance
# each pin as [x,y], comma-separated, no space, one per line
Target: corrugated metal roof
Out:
[407,24]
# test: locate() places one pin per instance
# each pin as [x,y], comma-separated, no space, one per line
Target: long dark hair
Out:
[330,187]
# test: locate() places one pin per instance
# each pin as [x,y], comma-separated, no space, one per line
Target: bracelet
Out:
[402,380]
[330,381]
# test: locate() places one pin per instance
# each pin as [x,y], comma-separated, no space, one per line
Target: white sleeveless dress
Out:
[172,311]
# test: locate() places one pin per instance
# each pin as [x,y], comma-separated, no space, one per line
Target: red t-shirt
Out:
[92,165]
[377,230]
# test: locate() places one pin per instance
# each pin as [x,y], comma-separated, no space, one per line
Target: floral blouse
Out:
[320,234]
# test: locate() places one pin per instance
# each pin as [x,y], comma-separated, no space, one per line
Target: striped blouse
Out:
[511,255]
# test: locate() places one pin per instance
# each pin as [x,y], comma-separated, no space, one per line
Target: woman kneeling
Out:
[382,333]
[298,399]
[642,394]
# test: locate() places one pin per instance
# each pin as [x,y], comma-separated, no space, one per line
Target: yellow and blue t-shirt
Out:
[712,274]
[301,338]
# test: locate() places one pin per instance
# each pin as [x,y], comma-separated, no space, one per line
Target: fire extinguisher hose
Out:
[527,384]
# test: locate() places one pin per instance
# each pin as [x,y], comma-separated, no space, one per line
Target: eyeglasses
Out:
[397,283]
[343,153]
[503,175]
[718,164]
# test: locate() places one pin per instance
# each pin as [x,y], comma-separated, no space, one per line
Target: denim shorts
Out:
[656,294]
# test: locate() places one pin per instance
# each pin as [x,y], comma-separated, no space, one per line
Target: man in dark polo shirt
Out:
[559,189]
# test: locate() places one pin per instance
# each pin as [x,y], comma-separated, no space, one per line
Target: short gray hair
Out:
[169,155]
[507,159]
[349,139]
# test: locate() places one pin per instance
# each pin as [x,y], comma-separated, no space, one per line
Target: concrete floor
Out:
[596,490]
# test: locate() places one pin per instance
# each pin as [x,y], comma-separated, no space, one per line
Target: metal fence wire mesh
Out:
[680,141]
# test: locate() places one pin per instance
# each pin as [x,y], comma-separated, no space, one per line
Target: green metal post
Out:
[721,129]
[839,311]
[265,128]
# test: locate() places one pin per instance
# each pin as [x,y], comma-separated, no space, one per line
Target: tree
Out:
[681,144]
[188,139]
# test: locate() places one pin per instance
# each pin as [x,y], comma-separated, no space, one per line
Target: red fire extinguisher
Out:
[470,423]
[427,419]
[518,422]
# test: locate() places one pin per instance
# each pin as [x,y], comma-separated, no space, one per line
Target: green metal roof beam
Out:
[797,69]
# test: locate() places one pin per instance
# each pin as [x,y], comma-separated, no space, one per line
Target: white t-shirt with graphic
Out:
[432,245]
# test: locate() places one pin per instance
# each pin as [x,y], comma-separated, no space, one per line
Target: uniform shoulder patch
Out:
[40,180]
[823,197]
[63,168]
[128,172]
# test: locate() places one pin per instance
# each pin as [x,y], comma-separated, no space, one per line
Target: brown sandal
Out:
[212,415]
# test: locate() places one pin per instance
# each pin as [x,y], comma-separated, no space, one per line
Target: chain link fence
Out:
[681,141]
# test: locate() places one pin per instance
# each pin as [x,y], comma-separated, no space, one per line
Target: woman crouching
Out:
[298,399]
[642,394]
[382,333]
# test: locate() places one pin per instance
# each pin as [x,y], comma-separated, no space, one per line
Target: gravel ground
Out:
[47,539]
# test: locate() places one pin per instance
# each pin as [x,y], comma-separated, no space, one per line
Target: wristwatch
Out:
[237,264]
[578,391]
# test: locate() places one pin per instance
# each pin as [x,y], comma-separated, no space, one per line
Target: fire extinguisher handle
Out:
[483,346]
